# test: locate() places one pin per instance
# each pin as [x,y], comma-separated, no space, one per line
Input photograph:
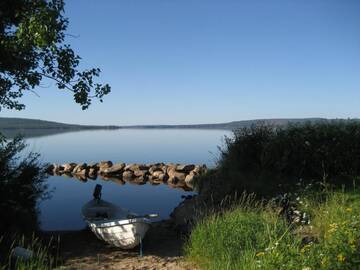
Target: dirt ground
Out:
[162,249]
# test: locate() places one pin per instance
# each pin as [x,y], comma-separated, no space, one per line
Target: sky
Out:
[205,61]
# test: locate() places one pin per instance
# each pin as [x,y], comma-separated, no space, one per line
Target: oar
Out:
[144,216]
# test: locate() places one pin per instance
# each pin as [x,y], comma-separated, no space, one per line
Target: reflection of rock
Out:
[127,175]
[115,179]
[67,175]
[140,180]
[118,181]
[82,178]
[92,173]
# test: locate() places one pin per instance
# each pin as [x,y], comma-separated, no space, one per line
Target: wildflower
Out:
[348,209]
[306,268]
[305,248]
[341,258]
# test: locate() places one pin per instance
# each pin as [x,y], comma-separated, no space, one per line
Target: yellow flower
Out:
[341,258]
[305,248]
[348,209]
[260,254]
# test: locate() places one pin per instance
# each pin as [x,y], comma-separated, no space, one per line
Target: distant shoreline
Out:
[10,127]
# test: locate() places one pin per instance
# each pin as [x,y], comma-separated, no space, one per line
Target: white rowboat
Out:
[115,225]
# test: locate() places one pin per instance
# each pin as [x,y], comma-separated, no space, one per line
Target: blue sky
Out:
[182,61]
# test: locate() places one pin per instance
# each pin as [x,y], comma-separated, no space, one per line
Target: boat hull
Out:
[125,236]
[115,225]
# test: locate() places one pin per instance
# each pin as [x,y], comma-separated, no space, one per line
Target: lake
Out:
[62,210]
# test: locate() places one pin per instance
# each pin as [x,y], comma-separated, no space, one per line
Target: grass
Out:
[41,259]
[255,237]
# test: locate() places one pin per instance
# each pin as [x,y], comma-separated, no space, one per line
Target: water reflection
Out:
[62,211]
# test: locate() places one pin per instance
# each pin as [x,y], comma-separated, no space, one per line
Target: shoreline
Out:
[162,249]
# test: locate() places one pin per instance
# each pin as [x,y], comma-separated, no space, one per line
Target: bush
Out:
[268,160]
[21,187]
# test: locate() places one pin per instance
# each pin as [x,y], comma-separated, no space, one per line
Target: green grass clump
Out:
[256,238]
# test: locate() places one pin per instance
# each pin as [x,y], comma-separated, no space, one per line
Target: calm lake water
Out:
[62,210]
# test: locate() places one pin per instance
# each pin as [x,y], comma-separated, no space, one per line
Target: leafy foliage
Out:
[32,47]
[21,185]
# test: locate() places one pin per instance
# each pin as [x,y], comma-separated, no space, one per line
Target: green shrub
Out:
[268,160]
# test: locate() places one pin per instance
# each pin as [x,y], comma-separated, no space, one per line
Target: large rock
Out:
[157,174]
[185,168]
[155,168]
[105,164]
[79,167]
[83,172]
[68,167]
[190,179]
[176,182]
[94,166]
[117,168]
[180,176]
[139,173]
[135,167]
[50,169]
[200,169]
[188,213]
[170,167]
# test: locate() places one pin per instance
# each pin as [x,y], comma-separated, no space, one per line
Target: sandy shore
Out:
[162,249]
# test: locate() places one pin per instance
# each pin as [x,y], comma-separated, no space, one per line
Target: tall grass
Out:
[257,238]
[44,256]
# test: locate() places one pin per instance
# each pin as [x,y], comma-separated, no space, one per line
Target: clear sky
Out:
[203,61]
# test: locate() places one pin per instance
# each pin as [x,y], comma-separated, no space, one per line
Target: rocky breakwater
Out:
[175,175]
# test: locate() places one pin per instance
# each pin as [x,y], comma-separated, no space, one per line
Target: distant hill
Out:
[34,127]
[239,124]
[24,123]
[11,127]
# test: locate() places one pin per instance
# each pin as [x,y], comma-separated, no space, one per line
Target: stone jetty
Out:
[175,175]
